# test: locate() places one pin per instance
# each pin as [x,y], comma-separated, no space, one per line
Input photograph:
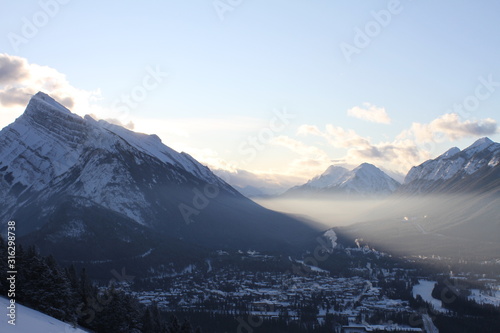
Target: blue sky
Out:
[232,65]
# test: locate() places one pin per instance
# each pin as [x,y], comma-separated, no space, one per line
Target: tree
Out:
[119,314]
[174,326]
[152,322]
[44,286]
[186,327]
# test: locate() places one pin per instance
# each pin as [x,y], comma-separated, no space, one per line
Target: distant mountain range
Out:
[447,206]
[91,191]
[88,190]
[364,180]
[474,169]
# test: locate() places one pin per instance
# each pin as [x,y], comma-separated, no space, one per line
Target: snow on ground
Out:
[29,320]
[424,289]
[313,268]
[486,297]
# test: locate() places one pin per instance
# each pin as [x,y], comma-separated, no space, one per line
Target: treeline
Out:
[466,314]
[247,322]
[64,294]
[458,301]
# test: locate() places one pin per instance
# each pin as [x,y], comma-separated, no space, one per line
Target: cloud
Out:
[130,125]
[450,127]
[268,182]
[19,80]
[411,147]
[13,69]
[15,96]
[345,138]
[311,159]
[336,136]
[398,155]
[299,147]
[309,130]
[370,113]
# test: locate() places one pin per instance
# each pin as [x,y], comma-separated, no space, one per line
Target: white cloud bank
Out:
[371,113]
[19,80]
[450,127]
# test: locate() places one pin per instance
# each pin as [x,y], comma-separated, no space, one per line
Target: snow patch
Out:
[330,177]
[494,161]
[486,297]
[29,320]
[424,289]
[73,229]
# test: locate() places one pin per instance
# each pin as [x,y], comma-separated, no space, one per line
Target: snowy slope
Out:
[48,142]
[366,179]
[453,167]
[70,134]
[91,190]
[152,145]
[330,177]
[29,320]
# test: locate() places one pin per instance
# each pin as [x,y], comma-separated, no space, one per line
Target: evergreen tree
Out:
[87,304]
[44,287]
[174,326]
[186,327]
[65,295]
[72,277]
[148,324]
[152,322]
[119,315]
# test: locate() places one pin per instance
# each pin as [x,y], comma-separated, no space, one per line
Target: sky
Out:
[269,93]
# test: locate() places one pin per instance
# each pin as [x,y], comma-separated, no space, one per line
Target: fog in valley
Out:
[329,212]
[445,225]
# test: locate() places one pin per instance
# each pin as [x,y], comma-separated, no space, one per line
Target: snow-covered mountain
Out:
[364,180]
[29,320]
[48,142]
[329,178]
[447,206]
[475,168]
[87,189]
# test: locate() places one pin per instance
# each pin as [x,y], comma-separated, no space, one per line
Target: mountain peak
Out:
[333,169]
[69,180]
[368,179]
[43,101]
[483,140]
[365,179]
[450,152]
[481,143]
[328,178]
[451,170]
[367,166]
[367,169]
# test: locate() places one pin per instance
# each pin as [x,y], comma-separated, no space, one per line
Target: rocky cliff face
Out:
[475,169]
[97,191]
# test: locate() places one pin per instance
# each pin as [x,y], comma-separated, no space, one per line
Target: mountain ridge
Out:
[364,180]
[447,206]
[69,182]
[457,170]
